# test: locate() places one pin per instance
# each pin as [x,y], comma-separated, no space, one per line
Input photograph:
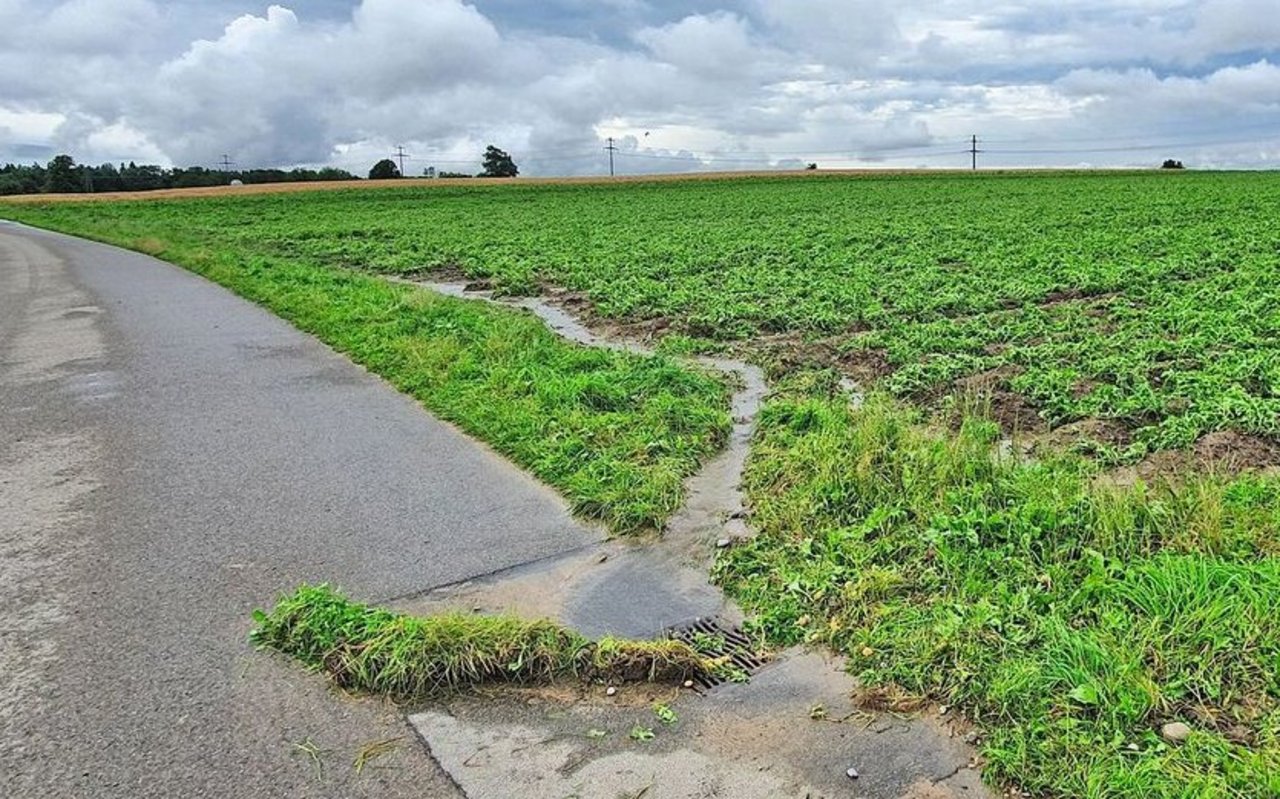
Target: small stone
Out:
[723,543]
[1134,748]
[851,773]
[610,691]
[602,558]
[688,683]
[971,738]
[1175,732]
[942,711]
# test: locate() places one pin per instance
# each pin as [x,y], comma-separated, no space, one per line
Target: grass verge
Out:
[1070,621]
[615,433]
[407,657]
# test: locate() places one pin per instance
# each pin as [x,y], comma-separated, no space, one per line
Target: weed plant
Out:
[1147,299]
[1069,620]
[616,433]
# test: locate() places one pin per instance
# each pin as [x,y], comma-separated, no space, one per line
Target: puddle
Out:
[851,387]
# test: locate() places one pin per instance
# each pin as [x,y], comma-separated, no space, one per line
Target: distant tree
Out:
[145,177]
[104,178]
[811,167]
[1172,164]
[453,175]
[333,173]
[62,176]
[21,179]
[498,164]
[383,170]
[11,183]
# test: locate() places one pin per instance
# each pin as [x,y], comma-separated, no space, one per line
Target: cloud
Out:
[717,46]
[715,81]
[834,32]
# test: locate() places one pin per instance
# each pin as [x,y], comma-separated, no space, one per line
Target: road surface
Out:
[172,457]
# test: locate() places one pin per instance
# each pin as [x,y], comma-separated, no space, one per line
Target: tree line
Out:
[497,164]
[63,175]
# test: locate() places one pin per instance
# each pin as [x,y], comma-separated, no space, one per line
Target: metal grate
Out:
[715,638]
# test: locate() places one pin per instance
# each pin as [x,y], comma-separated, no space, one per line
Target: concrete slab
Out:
[745,740]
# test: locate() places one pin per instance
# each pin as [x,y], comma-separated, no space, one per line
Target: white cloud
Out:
[755,81]
[716,46]
[836,32]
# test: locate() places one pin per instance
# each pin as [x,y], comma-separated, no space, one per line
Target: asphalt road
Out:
[172,457]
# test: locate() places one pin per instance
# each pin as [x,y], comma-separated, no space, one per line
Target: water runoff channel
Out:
[757,739]
[622,587]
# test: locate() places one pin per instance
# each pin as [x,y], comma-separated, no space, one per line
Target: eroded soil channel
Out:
[740,740]
[634,588]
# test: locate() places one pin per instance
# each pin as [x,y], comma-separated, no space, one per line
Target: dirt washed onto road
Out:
[793,730]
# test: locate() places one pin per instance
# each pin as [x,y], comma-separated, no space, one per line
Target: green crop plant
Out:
[963,366]
[1131,297]
[1068,619]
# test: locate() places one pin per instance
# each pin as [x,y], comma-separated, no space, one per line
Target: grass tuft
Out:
[616,433]
[1070,621]
[406,657]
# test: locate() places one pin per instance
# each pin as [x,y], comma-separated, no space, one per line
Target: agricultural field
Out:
[1144,301]
[1020,456]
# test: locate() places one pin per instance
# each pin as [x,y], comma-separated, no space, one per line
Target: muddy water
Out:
[626,587]
[714,501]
[742,740]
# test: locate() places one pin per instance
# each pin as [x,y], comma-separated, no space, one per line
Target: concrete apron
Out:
[793,730]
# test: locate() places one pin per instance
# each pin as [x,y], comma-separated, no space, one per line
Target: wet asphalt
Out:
[172,457]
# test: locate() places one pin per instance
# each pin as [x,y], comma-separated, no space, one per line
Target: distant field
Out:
[1020,453]
[1145,303]
[428,183]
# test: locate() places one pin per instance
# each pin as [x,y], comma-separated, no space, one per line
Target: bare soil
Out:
[1105,432]
[1225,452]
[1055,298]
[1012,411]
[1233,452]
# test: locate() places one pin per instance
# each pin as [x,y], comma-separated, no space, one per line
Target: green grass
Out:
[413,658]
[1149,299]
[1070,621]
[615,433]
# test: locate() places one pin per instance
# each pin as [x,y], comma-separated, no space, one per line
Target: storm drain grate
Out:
[714,638]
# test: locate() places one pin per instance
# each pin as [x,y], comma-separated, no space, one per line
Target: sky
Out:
[679,85]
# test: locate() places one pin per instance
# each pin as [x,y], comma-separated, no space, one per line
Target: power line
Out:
[764,160]
[1271,127]
[939,148]
[1136,147]
[611,150]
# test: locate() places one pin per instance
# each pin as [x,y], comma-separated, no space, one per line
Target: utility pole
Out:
[400,154]
[973,152]
[611,150]
[226,163]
